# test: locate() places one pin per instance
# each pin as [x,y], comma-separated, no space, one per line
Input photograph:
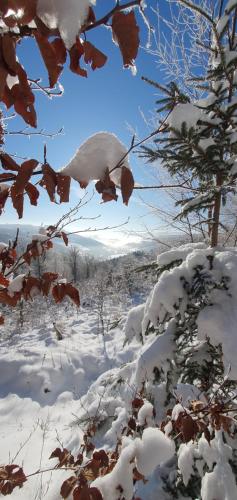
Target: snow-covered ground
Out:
[42,386]
[138,391]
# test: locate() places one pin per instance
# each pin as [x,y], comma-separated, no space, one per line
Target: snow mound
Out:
[156,355]
[180,253]
[133,325]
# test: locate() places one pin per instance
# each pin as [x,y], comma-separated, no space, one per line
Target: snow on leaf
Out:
[23,12]
[11,476]
[102,151]
[90,19]
[126,34]
[68,17]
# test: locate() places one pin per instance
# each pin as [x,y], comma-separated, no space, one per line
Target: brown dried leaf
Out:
[9,53]
[132,424]
[49,181]
[23,98]
[226,422]
[50,276]
[24,175]
[68,486]
[8,163]
[2,320]
[126,34]
[76,493]
[7,97]
[197,405]
[137,476]
[5,176]
[26,8]
[94,56]
[58,292]
[64,456]
[101,457]
[73,293]
[90,19]
[8,257]
[75,54]
[3,198]
[33,193]
[189,428]
[65,238]
[127,184]
[54,55]
[29,283]
[3,78]
[47,280]
[3,6]
[44,30]
[87,493]
[137,403]
[6,488]
[10,301]
[17,201]
[3,281]
[107,188]
[63,187]
[60,50]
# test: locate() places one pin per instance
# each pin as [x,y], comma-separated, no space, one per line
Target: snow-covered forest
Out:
[118,373]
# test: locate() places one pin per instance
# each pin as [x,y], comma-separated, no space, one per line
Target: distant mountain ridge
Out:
[90,245]
[85,244]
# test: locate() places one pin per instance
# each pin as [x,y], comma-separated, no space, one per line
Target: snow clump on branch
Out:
[101,151]
[146,454]
[68,17]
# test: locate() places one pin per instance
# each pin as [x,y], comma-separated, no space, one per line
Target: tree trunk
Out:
[216,212]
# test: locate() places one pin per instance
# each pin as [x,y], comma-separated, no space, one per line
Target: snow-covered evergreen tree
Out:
[198,139]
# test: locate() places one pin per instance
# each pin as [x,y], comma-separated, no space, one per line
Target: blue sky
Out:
[110,100]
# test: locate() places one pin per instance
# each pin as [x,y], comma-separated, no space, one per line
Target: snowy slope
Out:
[42,381]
